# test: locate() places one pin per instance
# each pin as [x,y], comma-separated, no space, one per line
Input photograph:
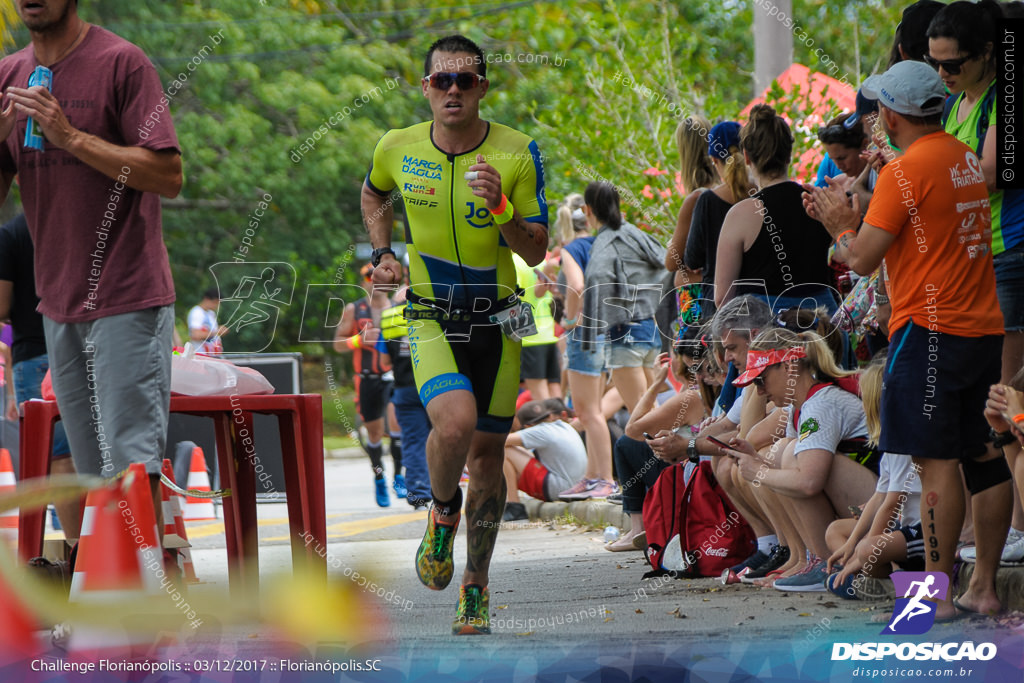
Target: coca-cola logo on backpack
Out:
[693,529]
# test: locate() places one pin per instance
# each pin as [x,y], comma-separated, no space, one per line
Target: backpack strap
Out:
[948,109]
[987,103]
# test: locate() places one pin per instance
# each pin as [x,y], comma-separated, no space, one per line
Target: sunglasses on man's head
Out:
[950,66]
[442,80]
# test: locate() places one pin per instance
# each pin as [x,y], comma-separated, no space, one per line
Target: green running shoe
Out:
[434,563]
[473,617]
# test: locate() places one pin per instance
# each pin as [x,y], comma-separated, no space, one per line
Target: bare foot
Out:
[622,545]
[795,560]
[794,569]
[982,604]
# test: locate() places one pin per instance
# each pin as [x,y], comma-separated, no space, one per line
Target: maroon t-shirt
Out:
[99,248]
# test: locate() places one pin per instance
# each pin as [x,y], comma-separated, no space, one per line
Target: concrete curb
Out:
[1009,585]
[350,453]
[597,513]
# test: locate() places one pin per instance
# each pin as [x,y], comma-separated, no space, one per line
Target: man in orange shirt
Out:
[929,218]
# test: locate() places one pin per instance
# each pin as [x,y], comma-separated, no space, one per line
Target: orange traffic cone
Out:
[8,519]
[175,535]
[108,568]
[197,509]
[139,520]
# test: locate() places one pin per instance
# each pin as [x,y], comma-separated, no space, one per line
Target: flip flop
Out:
[964,613]
[769,579]
[640,541]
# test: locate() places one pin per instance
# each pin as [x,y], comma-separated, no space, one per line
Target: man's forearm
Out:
[378,217]
[147,170]
[529,240]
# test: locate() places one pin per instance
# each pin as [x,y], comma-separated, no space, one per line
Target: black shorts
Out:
[374,394]
[934,390]
[542,362]
[915,548]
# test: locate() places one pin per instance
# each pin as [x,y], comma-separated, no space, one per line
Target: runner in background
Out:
[358,333]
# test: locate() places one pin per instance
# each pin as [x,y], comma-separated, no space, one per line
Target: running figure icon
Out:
[916,607]
[921,592]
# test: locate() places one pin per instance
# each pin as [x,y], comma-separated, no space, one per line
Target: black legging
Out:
[637,468]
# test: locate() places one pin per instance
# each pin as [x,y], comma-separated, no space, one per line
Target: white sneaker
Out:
[1013,551]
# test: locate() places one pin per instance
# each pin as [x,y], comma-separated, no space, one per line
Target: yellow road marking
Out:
[362,526]
[339,530]
[217,528]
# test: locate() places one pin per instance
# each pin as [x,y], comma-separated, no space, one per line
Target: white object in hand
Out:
[472,175]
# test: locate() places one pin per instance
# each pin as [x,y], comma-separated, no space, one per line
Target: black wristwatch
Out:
[378,254]
[1000,439]
[691,450]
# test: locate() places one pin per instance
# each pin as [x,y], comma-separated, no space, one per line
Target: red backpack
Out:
[692,527]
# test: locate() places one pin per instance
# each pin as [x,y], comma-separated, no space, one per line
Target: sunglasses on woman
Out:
[950,66]
[442,80]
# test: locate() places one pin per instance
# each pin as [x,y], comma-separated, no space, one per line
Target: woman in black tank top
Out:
[769,246]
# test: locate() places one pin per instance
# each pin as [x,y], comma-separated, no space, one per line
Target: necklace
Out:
[68,48]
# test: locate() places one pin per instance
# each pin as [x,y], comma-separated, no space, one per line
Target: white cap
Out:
[911,88]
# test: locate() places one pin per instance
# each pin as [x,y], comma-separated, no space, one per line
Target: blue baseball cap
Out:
[723,136]
[865,106]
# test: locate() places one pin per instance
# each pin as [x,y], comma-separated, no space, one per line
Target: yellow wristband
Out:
[506,215]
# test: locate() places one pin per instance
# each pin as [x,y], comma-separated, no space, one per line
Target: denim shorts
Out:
[635,345]
[585,361]
[28,380]
[1009,267]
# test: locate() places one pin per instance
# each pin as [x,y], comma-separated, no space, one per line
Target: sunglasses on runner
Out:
[950,66]
[442,80]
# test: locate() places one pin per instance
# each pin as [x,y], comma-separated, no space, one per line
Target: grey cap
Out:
[911,88]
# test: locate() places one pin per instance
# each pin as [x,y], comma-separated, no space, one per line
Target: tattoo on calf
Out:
[483,518]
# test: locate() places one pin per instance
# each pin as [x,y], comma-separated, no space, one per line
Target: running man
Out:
[914,606]
[474,193]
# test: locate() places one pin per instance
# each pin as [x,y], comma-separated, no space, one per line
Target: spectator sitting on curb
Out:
[812,481]
[559,457]
[734,325]
[637,466]
[889,527]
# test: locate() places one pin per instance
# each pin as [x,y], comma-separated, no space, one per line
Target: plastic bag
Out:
[198,375]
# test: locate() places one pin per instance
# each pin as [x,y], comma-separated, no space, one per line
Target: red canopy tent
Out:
[826,98]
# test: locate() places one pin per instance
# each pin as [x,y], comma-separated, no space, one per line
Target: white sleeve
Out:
[536,436]
[737,408]
[885,465]
[903,476]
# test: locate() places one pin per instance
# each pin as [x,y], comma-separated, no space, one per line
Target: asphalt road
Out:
[562,608]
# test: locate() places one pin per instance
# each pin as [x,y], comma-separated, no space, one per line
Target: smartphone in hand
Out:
[718,442]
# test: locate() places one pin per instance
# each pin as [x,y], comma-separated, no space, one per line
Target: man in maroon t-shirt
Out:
[92,199]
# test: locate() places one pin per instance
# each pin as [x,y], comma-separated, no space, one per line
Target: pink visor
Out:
[759,361]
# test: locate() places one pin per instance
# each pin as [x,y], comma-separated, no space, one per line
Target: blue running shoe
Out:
[400,490]
[843,589]
[810,580]
[383,498]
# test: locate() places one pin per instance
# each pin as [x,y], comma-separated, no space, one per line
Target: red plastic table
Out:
[300,420]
